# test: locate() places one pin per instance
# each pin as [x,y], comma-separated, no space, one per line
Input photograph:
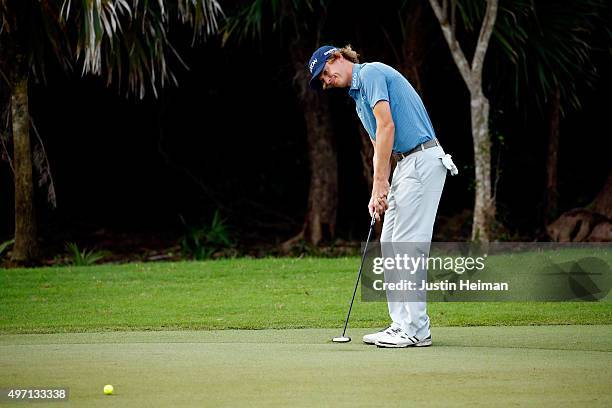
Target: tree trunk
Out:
[552,195]
[25,249]
[367,155]
[320,221]
[484,201]
[413,48]
[484,205]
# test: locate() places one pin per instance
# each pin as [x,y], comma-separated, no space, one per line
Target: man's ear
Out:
[337,57]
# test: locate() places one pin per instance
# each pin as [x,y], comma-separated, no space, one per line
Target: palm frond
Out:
[544,44]
[117,38]
[248,19]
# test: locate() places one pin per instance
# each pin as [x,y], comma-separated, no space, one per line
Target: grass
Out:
[236,293]
[113,310]
[543,366]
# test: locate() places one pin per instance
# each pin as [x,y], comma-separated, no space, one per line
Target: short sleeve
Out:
[374,85]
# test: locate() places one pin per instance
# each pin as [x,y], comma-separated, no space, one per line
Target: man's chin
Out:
[334,86]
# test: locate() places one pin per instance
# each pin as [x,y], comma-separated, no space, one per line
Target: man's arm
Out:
[385,134]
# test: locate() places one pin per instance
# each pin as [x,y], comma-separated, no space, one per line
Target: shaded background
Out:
[231,138]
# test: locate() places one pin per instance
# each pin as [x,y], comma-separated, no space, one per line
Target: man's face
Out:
[334,75]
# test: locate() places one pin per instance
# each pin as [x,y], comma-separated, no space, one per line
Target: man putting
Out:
[395,118]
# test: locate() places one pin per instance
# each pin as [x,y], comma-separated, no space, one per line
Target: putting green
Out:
[467,366]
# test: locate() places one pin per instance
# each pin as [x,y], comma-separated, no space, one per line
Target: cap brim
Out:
[315,82]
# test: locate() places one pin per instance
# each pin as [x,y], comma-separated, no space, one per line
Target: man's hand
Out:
[378,201]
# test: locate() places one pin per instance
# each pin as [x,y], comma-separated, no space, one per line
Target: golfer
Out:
[394,116]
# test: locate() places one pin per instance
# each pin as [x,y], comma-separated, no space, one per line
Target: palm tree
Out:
[294,20]
[114,38]
[410,48]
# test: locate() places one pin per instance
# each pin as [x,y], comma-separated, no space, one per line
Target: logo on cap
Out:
[312,64]
[317,63]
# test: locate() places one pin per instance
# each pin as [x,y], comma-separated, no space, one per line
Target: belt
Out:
[428,144]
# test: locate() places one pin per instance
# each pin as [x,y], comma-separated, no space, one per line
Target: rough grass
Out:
[236,293]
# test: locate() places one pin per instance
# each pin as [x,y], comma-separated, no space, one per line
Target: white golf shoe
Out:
[371,338]
[396,338]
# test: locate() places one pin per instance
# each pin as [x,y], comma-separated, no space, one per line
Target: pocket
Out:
[415,168]
[436,152]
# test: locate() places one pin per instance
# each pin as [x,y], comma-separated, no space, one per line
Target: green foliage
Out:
[203,242]
[4,245]
[334,249]
[250,19]
[84,257]
[540,46]
[120,39]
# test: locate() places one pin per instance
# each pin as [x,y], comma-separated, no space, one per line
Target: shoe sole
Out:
[424,343]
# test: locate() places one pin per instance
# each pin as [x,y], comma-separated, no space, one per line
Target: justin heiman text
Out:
[442,285]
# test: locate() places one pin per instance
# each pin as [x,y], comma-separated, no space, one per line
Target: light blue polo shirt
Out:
[375,81]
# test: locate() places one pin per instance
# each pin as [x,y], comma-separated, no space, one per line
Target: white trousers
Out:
[414,196]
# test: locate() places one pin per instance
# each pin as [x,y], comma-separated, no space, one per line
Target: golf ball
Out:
[108,389]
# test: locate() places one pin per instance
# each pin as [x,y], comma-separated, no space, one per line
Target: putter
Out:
[343,338]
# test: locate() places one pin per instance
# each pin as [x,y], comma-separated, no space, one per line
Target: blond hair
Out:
[347,52]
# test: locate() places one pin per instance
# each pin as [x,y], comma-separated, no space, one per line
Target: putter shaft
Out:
[365,250]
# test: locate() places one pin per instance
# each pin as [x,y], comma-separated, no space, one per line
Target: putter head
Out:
[341,339]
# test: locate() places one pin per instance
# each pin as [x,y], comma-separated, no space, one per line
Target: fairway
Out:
[467,366]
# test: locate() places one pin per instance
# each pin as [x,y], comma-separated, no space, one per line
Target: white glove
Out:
[447,161]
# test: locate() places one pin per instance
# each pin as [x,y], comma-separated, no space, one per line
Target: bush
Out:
[4,246]
[203,242]
[84,257]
